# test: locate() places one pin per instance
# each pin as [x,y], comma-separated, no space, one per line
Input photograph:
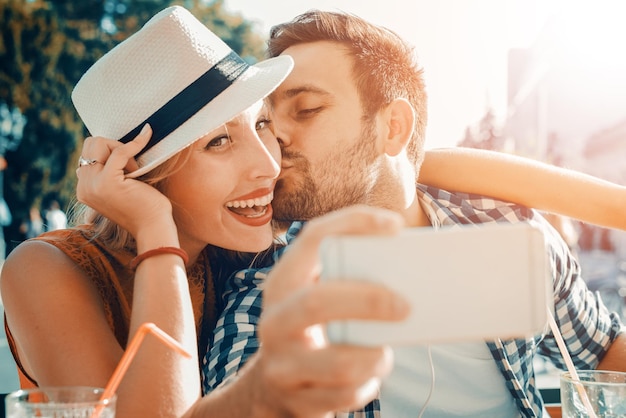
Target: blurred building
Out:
[567,95]
[604,152]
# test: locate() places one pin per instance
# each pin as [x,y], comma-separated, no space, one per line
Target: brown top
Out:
[110,273]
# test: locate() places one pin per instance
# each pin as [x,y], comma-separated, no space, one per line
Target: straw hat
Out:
[178,76]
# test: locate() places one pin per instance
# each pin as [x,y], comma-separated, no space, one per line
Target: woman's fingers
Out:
[114,155]
[124,156]
[107,189]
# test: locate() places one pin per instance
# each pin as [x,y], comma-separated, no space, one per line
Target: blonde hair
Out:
[111,233]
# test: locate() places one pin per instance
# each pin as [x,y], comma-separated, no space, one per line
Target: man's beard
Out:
[342,179]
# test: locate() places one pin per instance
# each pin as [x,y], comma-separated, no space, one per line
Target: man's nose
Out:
[281,134]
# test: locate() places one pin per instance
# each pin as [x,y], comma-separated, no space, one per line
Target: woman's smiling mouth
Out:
[256,211]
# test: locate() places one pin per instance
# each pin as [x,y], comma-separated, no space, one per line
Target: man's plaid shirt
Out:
[587,327]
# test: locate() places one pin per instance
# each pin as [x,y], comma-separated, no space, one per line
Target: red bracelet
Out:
[158,251]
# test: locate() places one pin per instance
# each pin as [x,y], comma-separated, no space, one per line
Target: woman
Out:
[189,182]
[195,169]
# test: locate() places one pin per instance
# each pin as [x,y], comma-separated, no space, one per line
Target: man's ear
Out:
[400,119]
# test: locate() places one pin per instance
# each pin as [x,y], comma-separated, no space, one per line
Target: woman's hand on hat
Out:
[103,185]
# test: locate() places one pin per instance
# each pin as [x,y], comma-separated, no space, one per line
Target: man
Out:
[351,118]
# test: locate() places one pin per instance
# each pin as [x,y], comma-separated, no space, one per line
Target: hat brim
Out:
[256,83]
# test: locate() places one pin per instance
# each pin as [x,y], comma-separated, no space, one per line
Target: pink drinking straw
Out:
[128,356]
[570,365]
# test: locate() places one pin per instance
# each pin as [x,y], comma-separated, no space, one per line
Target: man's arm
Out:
[615,358]
[527,182]
[296,371]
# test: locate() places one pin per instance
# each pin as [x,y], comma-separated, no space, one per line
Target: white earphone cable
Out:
[432,382]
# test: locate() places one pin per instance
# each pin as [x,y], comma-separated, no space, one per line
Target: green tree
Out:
[45,47]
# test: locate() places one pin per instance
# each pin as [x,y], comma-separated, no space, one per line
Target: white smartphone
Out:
[464,283]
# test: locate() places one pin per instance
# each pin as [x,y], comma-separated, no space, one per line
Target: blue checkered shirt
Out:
[585,324]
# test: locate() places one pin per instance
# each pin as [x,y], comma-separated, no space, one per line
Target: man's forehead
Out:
[322,70]
[290,91]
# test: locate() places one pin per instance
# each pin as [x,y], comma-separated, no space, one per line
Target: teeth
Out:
[259,201]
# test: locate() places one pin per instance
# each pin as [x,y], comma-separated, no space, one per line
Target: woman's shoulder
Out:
[65,258]
[82,245]
[38,265]
[75,248]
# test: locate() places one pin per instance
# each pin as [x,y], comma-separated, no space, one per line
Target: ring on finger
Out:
[86,161]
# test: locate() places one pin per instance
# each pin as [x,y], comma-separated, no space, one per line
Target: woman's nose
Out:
[264,158]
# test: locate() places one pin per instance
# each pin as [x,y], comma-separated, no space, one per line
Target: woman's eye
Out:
[218,142]
[263,123]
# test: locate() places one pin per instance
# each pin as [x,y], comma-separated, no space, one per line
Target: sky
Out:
[461,44]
